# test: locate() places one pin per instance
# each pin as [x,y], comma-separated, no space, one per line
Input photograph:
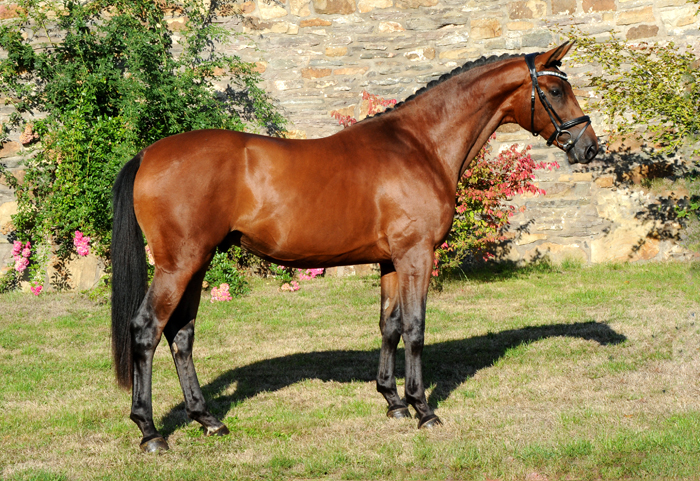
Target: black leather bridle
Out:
[559,126]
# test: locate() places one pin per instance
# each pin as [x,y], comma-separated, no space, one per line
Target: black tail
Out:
[129,270]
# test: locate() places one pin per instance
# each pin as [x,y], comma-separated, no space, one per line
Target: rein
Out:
[559,126]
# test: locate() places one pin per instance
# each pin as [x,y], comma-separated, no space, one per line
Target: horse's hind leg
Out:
[180,335]
[390,325]
[161,301]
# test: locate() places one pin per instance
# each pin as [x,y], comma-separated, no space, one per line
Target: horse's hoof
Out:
[154,445]
[220,431]
[398,412]
[428,422]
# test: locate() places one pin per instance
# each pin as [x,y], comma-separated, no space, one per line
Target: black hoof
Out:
[428,422]
[220,431]
[154,445]
[398,412]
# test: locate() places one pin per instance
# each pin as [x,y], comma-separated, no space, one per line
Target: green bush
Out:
[647,90]
[109,84]
[223,270]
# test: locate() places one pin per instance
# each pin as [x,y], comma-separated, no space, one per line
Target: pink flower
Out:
[16,248]
[36,290]
[290,286]
[221,293]
[81,243]
[21,264]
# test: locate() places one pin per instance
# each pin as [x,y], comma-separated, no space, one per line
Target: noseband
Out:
[559,126]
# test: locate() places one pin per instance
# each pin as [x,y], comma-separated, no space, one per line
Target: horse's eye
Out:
[555,92]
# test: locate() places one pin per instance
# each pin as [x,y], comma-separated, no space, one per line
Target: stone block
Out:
[350,71]
[249,7]
[300,8]
[642,31]
[605,181]
[639,15]
[526,239]
[520,26]
[598,6]
[582,177]
[679,17]
[10,149]
[78,274]
[537,39]
[7,210]
[407,4]
[336,51]
[527,9]
[625,244]
[390,27]
[459,53]
[483,28]
[365,6]
[330,7]
[312,73]
[427,53]
[270,9]
[563,7]
[315,22]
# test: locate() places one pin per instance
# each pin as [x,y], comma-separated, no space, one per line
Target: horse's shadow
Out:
[446,365]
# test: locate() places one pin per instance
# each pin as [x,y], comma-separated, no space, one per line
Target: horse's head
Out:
[549,107]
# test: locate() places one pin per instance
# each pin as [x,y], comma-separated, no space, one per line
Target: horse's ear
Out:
[554,56]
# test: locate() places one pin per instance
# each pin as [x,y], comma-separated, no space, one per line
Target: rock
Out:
[483,28]
[315,22]
[330,7]
[365,6]
[270,9]
[639,15]
[79,274]
[10,149]
[642,31]
[567,7]
[406,4]
[300,8]
[311,73]
[356,270]
[598,5]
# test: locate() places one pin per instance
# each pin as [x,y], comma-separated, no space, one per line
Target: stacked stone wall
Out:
[317,56]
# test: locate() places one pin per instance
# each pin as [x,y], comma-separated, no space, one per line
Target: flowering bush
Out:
[308,274]
[81,243]
[22,257]
[221,293]
[481,212]
[223,272]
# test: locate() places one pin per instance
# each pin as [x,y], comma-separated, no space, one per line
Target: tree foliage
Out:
[99,80]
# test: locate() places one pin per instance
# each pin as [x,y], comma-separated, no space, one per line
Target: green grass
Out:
[556,372]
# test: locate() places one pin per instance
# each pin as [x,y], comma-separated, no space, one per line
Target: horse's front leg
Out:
[390,326]
[413,270]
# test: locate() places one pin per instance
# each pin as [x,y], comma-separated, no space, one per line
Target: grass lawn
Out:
[543,373]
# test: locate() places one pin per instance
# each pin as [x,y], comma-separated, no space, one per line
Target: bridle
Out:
[559,126]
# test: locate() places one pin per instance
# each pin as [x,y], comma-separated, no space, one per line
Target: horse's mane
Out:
[479,62]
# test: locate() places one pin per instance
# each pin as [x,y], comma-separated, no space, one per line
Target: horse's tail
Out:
[129,270]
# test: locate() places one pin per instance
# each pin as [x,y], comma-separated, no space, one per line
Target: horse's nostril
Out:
[591,152]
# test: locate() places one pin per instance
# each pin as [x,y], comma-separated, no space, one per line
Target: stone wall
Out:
[317,56]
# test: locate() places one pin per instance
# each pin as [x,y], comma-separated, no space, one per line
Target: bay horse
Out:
[381,191]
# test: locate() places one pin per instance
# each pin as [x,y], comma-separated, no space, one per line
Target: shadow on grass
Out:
[445,365]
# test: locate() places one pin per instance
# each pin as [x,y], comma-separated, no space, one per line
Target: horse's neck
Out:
[456,118]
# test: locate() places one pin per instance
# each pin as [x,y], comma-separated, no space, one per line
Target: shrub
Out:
[108,83]
[223,270]
[647,90]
